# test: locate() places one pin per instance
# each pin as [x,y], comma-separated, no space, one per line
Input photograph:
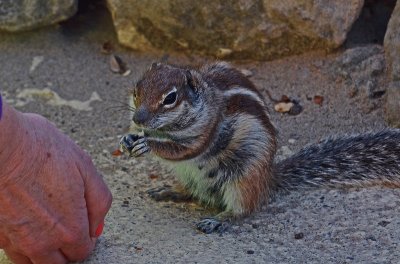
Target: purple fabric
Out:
[1,107]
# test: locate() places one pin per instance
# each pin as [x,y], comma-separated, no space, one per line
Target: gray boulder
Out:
[19,15]
[392,44]
[393,104]
[392,53]
[253,29]
[363,68]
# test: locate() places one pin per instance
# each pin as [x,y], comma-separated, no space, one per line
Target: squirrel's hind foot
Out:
[168,193]
[212,225]
[218,224]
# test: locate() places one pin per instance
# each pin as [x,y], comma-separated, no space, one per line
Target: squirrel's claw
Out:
[126,143]
[211,225]
[140,147]
[134,145]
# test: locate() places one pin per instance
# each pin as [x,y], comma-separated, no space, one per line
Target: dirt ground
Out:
[313,226]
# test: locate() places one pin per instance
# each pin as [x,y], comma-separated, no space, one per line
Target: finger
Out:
[55,257]
[98,198]
[99,229]
[78,252]
[16,257]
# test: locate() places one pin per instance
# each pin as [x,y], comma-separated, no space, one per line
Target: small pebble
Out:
[299,235]
[296,109]
[383,223]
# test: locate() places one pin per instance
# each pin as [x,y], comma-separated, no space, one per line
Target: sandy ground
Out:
[313,226]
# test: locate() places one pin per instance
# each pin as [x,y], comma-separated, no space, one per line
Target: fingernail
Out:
[99,229]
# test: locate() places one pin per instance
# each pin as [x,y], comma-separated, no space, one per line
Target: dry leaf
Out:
[107,48]
[118,66]
[318,100]
[283,107]
[246,72]
[126,73]
[153,176]
[117,153]
[224,52]
[286,105]
[285,99]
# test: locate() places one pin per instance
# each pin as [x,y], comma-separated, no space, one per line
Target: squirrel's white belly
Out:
[196,180]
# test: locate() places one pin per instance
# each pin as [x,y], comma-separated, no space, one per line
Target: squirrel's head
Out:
[165,98]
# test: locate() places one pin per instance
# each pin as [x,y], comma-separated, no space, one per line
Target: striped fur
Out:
[355,160]
[218,138]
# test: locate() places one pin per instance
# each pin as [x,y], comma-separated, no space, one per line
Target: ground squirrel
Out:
[212,126]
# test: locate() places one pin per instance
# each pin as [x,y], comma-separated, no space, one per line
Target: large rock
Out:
[392,44]
[364,68]
[17,15]
[237,28]
[392,52]
[393,104]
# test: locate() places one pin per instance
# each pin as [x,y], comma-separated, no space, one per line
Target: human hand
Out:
[52,199]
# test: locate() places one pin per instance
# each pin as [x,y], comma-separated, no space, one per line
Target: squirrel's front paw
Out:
[135,145]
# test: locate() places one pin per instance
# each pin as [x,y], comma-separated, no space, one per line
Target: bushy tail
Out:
[357,160]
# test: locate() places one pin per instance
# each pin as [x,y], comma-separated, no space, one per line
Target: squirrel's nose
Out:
[141,116]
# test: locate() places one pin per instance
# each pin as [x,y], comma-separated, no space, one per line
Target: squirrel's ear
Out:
[191,80]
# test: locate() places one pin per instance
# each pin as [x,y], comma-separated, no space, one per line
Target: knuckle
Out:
[77,243]
[26,243]
[33,248]
[72,237]
[80,252]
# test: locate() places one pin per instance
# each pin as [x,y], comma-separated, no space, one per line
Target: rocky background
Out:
[237,29]
[337,60]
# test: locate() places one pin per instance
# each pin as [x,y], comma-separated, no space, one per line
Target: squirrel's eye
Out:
[170,99]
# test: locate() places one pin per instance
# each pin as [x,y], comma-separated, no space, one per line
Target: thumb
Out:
[98,199]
